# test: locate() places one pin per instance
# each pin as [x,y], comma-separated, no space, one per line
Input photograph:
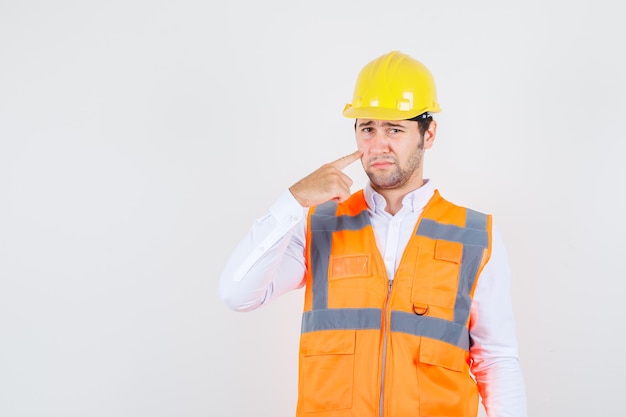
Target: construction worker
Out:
[407,306]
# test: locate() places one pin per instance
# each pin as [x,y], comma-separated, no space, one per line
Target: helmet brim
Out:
[378,113]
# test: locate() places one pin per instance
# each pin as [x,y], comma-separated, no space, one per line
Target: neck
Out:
[394,196]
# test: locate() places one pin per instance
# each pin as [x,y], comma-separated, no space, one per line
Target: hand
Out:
[326,183]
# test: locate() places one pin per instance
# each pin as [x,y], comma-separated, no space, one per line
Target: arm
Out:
[495,359]
[269,260]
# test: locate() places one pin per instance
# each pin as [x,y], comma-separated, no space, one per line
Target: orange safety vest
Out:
[371,346]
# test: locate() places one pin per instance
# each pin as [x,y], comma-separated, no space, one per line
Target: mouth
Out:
[381,164]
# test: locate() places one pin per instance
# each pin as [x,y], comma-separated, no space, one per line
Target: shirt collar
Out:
[416,200]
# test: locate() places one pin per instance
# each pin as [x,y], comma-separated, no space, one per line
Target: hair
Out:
[423,122]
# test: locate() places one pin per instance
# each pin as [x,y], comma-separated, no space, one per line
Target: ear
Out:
[429,135]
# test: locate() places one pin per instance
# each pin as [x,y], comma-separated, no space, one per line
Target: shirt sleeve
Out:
[269,260]
[495,358]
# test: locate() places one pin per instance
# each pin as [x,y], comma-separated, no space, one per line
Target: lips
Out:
[381,164]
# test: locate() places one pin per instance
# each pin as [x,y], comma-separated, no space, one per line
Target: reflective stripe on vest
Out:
[474,238]
[323,224]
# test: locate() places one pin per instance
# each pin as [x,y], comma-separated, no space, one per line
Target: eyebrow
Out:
[386,124]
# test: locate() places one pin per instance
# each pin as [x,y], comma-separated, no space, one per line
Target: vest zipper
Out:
[386,332]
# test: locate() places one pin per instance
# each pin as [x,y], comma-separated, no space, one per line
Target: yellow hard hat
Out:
[394,86]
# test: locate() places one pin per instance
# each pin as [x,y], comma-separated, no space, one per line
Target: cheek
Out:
[363,146]
[403,148]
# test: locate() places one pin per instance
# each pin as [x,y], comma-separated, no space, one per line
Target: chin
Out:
[384,185]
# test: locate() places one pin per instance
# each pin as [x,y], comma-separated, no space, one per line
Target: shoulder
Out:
[351,207]
[458,206]
[461,215]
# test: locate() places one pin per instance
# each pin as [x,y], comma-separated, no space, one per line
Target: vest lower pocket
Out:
[445,388]
[327,370]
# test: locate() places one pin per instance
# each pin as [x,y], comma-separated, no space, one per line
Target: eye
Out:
[366,129]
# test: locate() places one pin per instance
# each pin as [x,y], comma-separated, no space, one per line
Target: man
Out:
[407,310]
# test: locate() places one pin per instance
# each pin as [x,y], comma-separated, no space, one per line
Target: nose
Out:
[379,144]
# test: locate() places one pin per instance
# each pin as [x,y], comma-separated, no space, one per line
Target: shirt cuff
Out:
[287,210]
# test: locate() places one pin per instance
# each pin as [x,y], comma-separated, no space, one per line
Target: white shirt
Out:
[270,261]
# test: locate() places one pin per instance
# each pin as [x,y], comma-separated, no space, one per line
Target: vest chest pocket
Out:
[327,370]
[350,266]
[437,275]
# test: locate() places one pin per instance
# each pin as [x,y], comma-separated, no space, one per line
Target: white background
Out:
[139,140]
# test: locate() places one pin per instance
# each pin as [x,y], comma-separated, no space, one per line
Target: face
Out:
[393,152]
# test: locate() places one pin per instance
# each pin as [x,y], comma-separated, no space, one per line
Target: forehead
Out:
[384,123]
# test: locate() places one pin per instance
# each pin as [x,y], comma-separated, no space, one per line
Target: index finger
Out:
[344,161]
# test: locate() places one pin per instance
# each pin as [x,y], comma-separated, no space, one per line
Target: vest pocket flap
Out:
[448,251]
[328,342]
[434,352]
[327,372]
[350,266]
